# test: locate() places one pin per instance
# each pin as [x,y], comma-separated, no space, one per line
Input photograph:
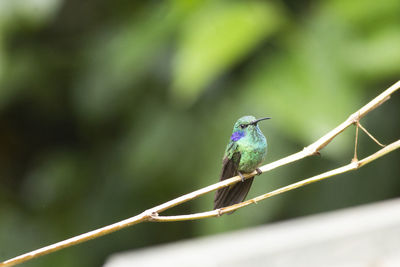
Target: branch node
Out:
[310,150]
[355,162]
[355,117]
[152,216]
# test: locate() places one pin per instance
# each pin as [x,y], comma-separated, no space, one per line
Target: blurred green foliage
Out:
[111,107]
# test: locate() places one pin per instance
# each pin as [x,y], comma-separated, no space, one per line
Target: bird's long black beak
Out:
[258,120]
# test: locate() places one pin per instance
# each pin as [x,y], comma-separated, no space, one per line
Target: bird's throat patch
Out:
[237,135]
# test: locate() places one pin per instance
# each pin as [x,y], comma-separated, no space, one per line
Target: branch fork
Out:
[313,149]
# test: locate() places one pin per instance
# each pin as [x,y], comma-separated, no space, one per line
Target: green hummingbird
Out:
[244,153]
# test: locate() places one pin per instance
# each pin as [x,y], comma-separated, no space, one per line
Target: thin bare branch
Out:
[349,167]
[152,214]
[387,149]
[355,157]
[77,239]
[370,135]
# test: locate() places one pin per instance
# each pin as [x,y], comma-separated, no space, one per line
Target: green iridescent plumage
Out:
[244,153]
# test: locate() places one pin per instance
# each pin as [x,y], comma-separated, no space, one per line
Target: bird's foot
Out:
[258,171]
[219,212]
[241,176]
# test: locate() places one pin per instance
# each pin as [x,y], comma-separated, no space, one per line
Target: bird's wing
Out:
[233,194]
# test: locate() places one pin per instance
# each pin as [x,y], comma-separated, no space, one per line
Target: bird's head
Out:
[244,126]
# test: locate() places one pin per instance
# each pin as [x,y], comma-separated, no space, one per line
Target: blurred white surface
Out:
[362,236]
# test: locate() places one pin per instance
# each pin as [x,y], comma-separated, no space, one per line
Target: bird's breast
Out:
[252,154]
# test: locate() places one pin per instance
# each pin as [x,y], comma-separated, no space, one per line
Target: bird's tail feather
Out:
[228,196]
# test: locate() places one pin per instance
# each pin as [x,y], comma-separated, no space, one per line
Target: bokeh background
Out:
[108,108]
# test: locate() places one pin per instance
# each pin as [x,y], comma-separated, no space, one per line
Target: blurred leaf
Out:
[369,35]
[19,12]
[377,55]
[35,11]
[215,38]
[119,57]
[369,13]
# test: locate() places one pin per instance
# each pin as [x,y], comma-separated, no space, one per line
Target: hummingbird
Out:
[244,153]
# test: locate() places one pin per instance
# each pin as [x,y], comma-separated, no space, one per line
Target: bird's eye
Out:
[243,126]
